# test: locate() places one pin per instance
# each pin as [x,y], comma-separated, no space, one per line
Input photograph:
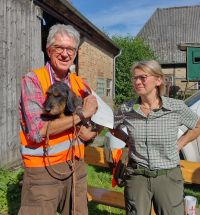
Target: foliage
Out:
[10,191]
[104,131]
[133,50]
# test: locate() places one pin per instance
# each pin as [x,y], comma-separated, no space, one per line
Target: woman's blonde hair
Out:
[152,67]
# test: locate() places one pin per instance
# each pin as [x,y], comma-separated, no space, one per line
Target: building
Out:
[164,31]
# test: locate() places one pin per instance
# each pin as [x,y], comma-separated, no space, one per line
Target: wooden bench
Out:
[95,156]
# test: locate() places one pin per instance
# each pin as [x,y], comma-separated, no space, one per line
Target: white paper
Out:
[114,142]
[104,115]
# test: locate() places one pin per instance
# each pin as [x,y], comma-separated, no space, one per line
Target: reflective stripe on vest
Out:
[26,150]
[60,149]
[41,161]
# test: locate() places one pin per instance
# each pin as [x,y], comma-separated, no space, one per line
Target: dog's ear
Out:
[78,101]
[72,101]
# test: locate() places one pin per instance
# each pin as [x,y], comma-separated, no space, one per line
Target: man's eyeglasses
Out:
[142,78]
[60,50]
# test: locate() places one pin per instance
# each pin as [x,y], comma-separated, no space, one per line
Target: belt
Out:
[137,169]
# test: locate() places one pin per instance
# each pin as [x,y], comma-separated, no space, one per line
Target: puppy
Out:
[60,100]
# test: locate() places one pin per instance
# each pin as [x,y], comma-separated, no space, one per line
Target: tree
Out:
[132,50]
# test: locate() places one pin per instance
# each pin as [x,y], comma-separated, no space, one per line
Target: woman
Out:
[152,121]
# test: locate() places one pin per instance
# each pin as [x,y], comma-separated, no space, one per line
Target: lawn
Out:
[10,191]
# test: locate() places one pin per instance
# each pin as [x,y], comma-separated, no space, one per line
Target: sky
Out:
[124,17]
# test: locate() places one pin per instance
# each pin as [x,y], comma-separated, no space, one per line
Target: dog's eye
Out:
[56,94]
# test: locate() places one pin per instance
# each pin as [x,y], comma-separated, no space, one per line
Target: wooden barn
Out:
[24,28]
[164,31]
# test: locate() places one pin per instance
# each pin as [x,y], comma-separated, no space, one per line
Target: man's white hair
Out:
[63,30]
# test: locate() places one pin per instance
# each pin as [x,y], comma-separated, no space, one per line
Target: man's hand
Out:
[87,133]
[65,122]
[90,106]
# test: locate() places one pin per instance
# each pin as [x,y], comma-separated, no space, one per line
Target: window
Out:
[100,86]
[168,83]
[109,87]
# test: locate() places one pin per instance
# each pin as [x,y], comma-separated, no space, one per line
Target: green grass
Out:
[101,177]
[193,190]
[10,191]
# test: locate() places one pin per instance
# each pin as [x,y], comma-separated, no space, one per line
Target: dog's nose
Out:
[47,109]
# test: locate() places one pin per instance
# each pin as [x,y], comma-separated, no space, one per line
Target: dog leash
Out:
[72,143]
[73,168]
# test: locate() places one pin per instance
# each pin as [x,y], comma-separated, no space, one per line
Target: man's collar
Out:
[54,75]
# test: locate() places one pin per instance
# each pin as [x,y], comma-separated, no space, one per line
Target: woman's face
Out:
[144,83]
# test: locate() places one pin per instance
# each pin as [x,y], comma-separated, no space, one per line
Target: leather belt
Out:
[137,169]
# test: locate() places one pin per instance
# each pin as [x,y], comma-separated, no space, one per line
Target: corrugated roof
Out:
[168,27]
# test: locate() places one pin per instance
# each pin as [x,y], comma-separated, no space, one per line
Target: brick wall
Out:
[94,63]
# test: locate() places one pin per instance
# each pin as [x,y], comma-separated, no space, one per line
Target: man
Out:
[55,174]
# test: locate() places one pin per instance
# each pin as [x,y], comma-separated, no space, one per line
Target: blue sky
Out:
[123,17]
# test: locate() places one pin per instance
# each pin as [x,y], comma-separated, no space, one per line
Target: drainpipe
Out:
[114,72]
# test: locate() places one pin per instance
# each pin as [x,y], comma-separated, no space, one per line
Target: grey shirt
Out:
[153,139]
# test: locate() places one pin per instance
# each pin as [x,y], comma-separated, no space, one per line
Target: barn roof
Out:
[64,11]
[167,28]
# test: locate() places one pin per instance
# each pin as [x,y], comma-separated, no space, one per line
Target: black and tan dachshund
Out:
[60,100]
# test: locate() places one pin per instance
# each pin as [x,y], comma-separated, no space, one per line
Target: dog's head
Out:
[61,99]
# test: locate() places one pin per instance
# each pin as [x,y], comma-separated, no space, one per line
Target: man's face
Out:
[62,53]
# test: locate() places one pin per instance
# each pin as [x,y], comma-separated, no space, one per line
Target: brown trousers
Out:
[45,193]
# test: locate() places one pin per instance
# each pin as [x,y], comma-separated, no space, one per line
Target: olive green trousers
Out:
[164,191]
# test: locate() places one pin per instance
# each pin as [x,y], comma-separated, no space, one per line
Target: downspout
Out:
[113,94]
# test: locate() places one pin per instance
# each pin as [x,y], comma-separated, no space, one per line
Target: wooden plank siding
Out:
[20,50]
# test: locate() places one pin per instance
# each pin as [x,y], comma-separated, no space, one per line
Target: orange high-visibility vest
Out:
[60,148]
